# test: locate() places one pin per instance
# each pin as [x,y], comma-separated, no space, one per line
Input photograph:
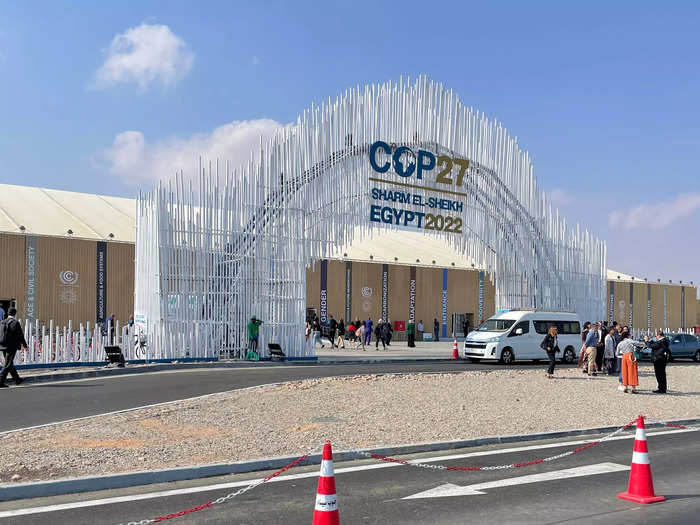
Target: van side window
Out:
[563,327]
[523,325]
[541,327]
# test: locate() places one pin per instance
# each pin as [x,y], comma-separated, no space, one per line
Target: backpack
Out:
[5,332]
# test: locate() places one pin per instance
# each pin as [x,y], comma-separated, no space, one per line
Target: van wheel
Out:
[568,356]
[476,359]
[507,356]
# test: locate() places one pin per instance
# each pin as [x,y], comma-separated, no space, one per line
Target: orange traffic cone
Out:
[641,486]
[455,352]
[326,511]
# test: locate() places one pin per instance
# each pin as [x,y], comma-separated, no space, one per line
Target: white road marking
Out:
[235,484]
[450,489]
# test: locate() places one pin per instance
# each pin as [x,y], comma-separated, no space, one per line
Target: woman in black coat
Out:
[549,345]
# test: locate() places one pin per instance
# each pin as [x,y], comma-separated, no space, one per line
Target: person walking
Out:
[350,331]
[341,334]
[378,330]
[11,341]
[411,333]
[360,337]
[436,329]
[659,356]
[550,345]
[388,332]
[368,331]
[591,349]
[582,352]
[332,329]
[316,328]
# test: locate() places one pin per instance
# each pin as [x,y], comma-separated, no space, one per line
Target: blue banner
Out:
[323,314]
[385,292]
[444,302]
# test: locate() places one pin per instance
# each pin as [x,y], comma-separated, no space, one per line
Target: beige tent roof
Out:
[403,247]
[49,212]
[41,211]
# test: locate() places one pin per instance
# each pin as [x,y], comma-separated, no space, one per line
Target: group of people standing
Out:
[613,350]
[358,332]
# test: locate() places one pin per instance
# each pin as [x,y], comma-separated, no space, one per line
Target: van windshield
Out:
[496,325]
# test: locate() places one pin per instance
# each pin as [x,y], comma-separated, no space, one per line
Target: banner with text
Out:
[31,261]
[323,315]
[101,282]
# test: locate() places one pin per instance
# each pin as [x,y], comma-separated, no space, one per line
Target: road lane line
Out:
[235,484]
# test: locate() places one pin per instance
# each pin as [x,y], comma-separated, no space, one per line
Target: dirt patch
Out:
[358,411]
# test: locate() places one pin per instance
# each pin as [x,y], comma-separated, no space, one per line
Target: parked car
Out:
[680,345]
[517,334]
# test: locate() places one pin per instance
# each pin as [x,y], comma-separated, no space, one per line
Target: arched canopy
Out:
[390,156]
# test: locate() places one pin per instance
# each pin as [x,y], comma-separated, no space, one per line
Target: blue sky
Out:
[603,95]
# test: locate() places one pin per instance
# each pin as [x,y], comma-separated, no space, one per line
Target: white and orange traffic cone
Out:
[455,351]
[326,511]
[641,486]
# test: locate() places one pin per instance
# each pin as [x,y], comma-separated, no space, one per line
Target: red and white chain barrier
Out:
[228,497]
[433,466]
[653,421]
[410,463]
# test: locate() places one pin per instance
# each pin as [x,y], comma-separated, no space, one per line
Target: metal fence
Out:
[49,344]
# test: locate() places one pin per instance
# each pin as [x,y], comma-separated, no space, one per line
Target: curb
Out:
[138,369]
[9,492]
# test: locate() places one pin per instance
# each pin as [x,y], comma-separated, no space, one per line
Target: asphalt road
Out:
[376,496]
[42,403]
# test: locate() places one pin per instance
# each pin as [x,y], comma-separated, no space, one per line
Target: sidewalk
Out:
[398,351]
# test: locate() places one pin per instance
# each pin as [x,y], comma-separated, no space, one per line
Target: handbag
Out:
[637,354]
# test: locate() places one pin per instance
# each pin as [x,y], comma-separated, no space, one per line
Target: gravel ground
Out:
[360,411]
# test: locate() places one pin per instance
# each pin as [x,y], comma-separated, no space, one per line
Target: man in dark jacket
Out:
[12,341]
[379,334]
[332,329]
[601,332]
[387,332]
[659,353]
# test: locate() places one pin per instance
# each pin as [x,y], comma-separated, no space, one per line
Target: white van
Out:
[517,334]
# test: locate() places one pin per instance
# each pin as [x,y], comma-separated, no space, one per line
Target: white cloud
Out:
[656,215]
[560,198]
[134,160]
[145,54]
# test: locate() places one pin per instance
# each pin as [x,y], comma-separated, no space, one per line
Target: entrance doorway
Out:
[462,324]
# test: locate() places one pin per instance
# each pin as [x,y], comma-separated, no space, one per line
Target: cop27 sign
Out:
[437,173]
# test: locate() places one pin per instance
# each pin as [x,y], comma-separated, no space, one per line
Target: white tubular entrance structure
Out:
[214,249]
